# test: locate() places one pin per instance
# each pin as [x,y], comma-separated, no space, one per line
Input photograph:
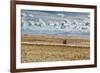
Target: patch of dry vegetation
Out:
[43,53]
[73,40]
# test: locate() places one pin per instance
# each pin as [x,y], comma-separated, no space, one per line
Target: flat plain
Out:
[54,48]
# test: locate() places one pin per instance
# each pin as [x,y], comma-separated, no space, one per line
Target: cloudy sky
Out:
[55,21]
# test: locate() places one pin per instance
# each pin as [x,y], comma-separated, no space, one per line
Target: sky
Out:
[51,22]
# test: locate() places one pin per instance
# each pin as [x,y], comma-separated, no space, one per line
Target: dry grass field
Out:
[43,53]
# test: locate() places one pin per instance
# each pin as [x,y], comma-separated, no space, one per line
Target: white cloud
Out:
[24,14]
[31,15]
[60,14]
